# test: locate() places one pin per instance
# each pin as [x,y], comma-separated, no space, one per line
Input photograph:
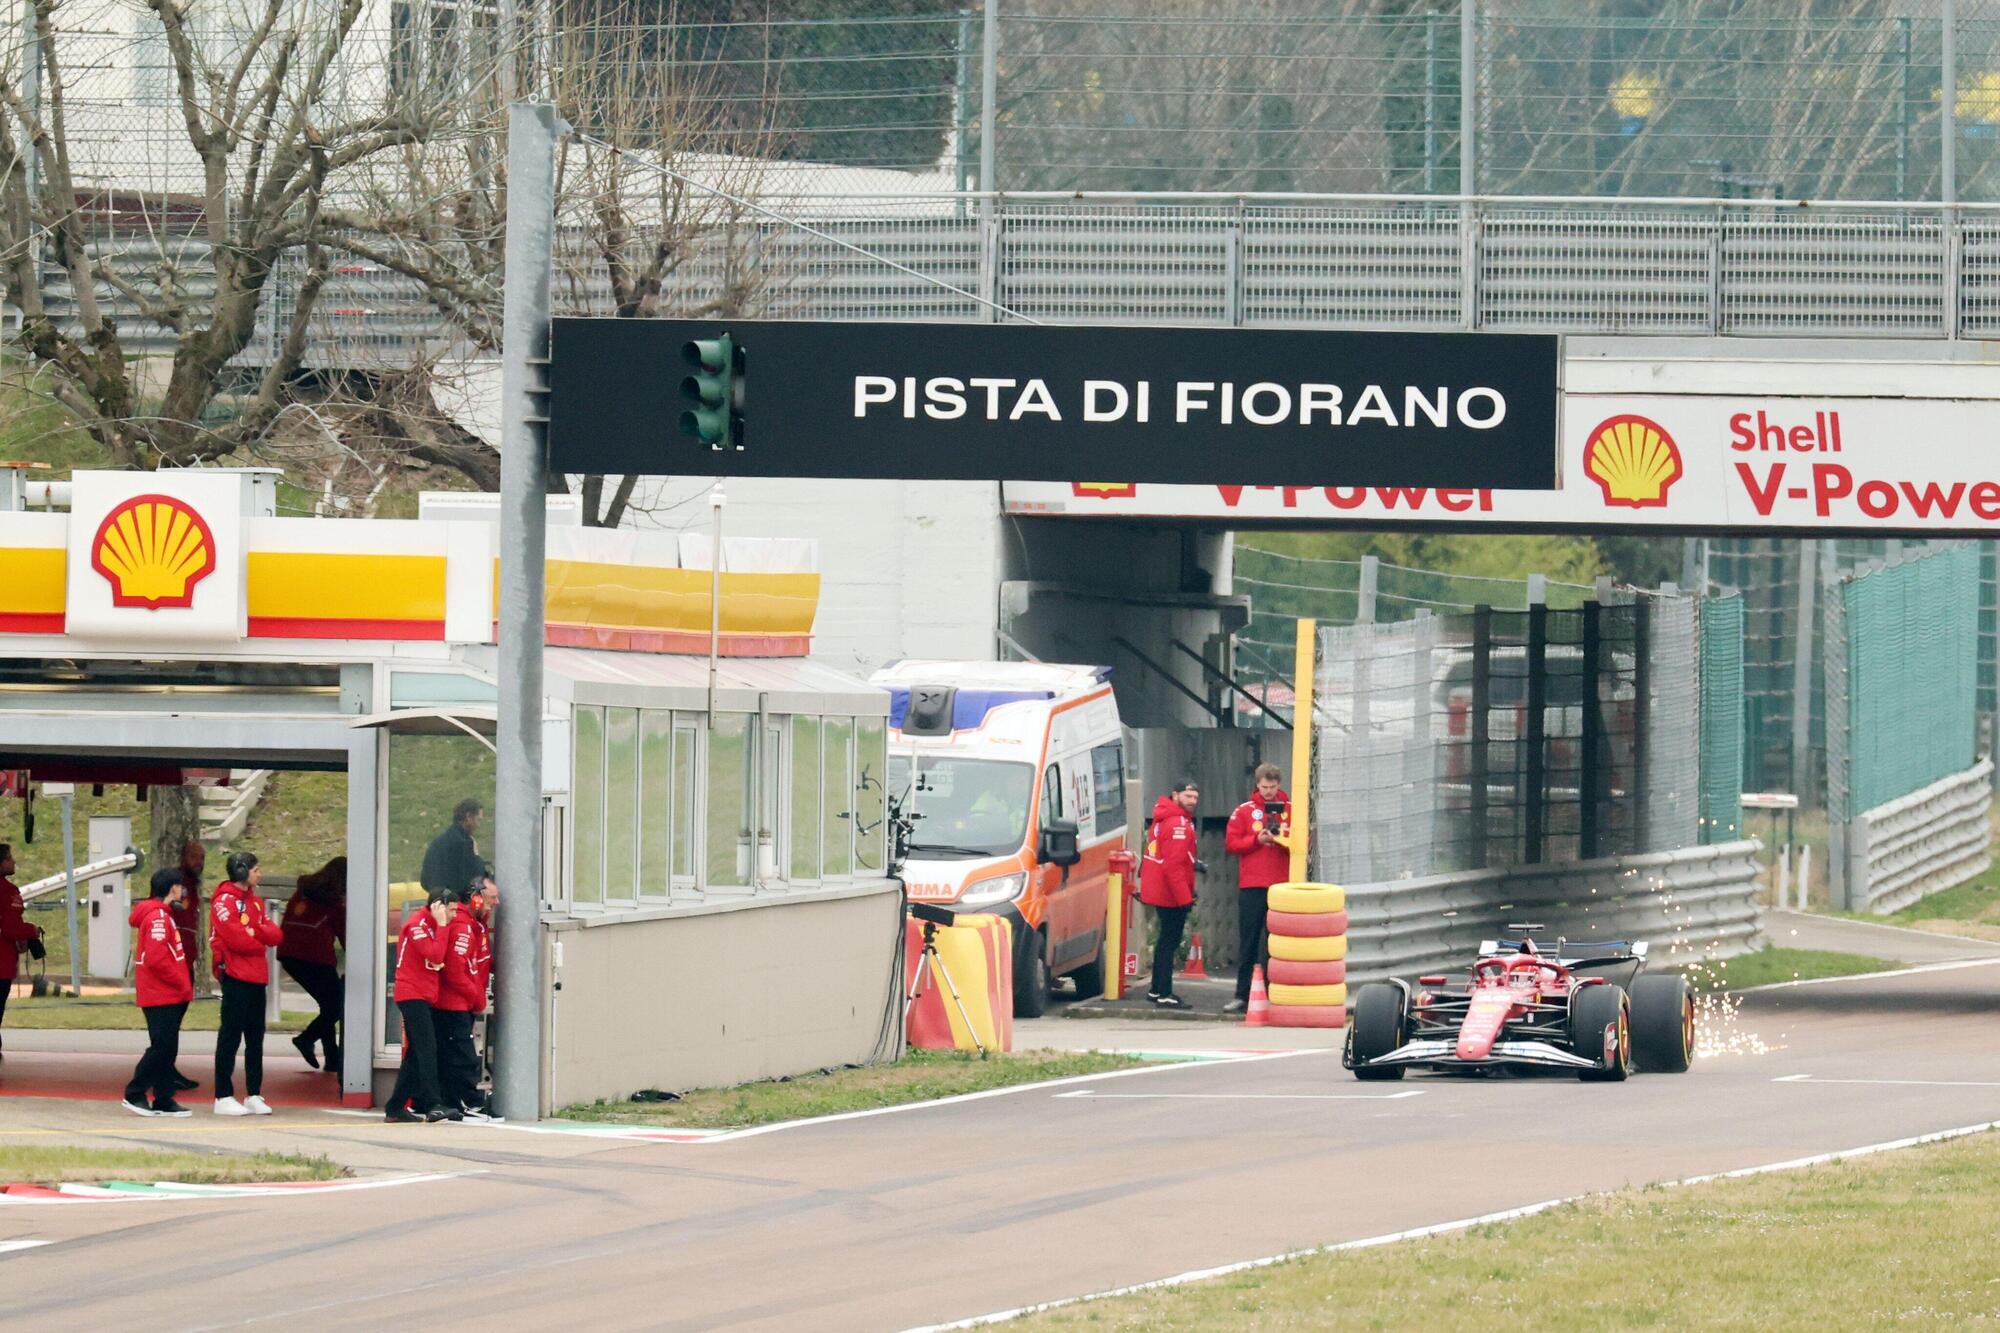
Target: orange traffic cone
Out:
[1260,1000]
[1194,966]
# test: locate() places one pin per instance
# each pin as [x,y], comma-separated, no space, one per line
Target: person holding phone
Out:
[1255,837]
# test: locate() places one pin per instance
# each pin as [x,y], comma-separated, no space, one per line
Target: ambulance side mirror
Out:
[1058,844]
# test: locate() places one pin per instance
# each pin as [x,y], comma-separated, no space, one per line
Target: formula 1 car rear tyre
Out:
[1662,1024]
[1031,977]
[1380,1020]
[1593,1012]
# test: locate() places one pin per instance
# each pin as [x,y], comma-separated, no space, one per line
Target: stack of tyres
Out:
[1308,974]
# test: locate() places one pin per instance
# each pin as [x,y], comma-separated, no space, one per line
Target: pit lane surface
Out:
[955,1210]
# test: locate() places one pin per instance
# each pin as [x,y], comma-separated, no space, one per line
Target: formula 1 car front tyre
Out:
[1594,1011]
[1379,1023]
[1662,1024]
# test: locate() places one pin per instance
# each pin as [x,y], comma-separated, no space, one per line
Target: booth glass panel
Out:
[656,802]
[621,804]
[586,809]
[871,796]
[728,825]
[428,776]
[687,739]
[804,822]
[837,748]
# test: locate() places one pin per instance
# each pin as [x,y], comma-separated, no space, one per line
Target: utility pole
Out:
[531,156]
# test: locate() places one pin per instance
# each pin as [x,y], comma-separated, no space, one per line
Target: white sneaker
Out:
[256,1106]
[230,1106]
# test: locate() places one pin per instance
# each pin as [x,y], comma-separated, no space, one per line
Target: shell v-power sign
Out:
[1031,403]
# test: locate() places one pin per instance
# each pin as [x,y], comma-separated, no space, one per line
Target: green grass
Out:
[1774,964]
[46,1165]
[301,823]
[919,1076]
[97,1013]
[1900,1239]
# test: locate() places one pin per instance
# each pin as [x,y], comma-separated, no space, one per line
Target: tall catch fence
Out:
[1720,771]
[1505,738]
[1907,798]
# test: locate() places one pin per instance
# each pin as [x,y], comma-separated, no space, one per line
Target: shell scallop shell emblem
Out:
[153,550]
[1633,461]
[1104,490]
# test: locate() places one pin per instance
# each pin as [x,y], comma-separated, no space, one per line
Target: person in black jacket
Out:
[452,861]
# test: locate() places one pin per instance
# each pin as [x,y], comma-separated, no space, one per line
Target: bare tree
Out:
[141,249]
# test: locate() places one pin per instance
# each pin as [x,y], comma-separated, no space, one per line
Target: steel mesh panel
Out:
[1117,264]
[1671,789]
[1642,271]
[1858,273]
[1393,265]
[1721,718]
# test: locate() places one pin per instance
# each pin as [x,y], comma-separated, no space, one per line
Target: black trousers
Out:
[1173,920]
[417,1080]
[155,1072]
[242,1022]
[322,982]
[1251,908]
[457,1057]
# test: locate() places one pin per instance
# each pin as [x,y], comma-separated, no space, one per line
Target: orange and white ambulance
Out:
[1013,776]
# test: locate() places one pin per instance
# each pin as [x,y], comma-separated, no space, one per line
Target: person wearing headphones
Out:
[468,960]
[419,971]
[240,931]
[160,974]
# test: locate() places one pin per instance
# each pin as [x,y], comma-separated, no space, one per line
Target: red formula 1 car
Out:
[1582,1006]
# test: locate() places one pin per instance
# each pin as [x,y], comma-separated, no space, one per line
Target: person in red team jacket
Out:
[315,923]
[159,971]
[16,933]
[468,961]
[240,930]
[1166,882]
[419,972]
[1252,837]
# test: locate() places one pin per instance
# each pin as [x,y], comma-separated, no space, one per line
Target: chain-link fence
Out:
[1902,659]
[1722,703]
[1498,738]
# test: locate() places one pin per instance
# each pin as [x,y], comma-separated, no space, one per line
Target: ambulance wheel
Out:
[1379,1018]
[1031,977]
[1089,978]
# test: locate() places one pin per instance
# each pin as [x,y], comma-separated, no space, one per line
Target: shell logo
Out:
[153,550]
[1633,461]
[1105,490]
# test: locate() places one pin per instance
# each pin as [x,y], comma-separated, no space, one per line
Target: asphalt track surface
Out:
[954,1210]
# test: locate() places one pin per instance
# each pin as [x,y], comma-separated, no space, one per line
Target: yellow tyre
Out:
[1307,898]
[1309,948]
[1320,995]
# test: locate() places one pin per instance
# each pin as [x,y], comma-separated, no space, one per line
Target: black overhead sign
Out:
[1010,402]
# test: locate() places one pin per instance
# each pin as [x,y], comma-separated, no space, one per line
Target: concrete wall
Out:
[723,993]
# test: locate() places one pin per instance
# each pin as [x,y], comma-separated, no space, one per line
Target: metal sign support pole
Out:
[531,149]
[69,894]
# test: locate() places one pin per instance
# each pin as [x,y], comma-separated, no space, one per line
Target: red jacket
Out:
[1166,876]
[188,916]
[1258,866]
[312,926]
[468,960]
[14,929]
[240,930]
[419,959]
[159,965]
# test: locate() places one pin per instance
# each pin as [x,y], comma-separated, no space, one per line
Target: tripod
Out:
[930,958]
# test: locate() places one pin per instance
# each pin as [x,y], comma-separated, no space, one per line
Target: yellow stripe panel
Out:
[318,585]
[33,580]
[646,597]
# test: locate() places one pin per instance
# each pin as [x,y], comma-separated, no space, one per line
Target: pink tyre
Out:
[1285,972]
[1308,1016]
[1305,925]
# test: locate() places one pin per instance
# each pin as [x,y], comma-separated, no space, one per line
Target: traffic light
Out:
[713,391]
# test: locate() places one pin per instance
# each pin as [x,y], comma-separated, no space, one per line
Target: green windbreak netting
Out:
[1721,718]
[1912,655]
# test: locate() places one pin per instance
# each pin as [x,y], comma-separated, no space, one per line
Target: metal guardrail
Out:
[1641,266]
[1700,902]
[1932,839]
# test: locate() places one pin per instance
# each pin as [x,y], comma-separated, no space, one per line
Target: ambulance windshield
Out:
[963,807]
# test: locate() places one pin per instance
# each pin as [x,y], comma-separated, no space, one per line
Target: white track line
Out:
[10,1246]
[1238,1096]
[729,1135]
[1885,1082]
[1916,971]
[197,1193]
[1445,1228]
